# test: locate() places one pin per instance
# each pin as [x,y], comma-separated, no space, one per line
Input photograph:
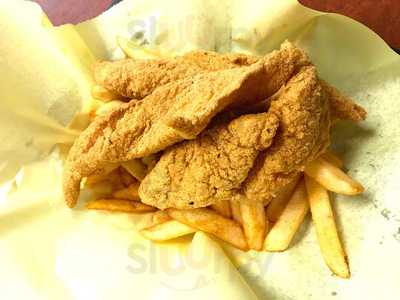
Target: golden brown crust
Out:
[276,69]
[138,129]
[210,168]
[139,78]
[303,109]
[173,112]
[342,107]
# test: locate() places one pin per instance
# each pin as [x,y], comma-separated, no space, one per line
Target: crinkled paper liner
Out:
[50,252]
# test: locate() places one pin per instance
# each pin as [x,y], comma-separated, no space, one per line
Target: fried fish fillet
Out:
[138,78]
[303,110]
[342,107]
[173,112]
[210,168]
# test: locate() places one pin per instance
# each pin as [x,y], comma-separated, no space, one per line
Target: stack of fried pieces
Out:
[229,144]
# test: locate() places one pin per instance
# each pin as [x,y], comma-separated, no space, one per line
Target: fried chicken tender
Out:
[138,78]
[210,168]
[303,110]
[173,112]
[343,107]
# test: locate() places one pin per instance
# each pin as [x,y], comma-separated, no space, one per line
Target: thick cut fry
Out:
[235,210]
[277,205]
[211,222]
[101,93]
[129,193]
[126,177]
[114,177]
[223,208]
[153,219]
[332,158]
[136,168]
[166,231]
[160,216]
[282,233]
[332,178]
[94,179]
[254,223]
[101,189]
[327,234]
[119,205]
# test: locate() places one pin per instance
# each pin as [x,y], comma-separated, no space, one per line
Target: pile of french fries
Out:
[243,224]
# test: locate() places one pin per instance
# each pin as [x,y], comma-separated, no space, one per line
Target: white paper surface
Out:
[50,252]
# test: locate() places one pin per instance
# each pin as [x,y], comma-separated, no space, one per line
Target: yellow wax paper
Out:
[50,252]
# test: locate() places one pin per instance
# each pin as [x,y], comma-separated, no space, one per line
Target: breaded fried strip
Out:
[304,114]
[138,129]
[139,78]
[342,107]
[173,112]
[210,168]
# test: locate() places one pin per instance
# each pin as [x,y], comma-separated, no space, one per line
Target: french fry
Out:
[136,168]
[223,208]
[254,223]
[277,205]
[119,205]
[94,179]
[209,221]
[333,159]
[101,93]
[129,193]
[283,231]
[107,107]
[235,210]
[327,234]
[126,178]
[332,178]
[166,231]
[160,216]
[101,189]
[153,219]
[115,179]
